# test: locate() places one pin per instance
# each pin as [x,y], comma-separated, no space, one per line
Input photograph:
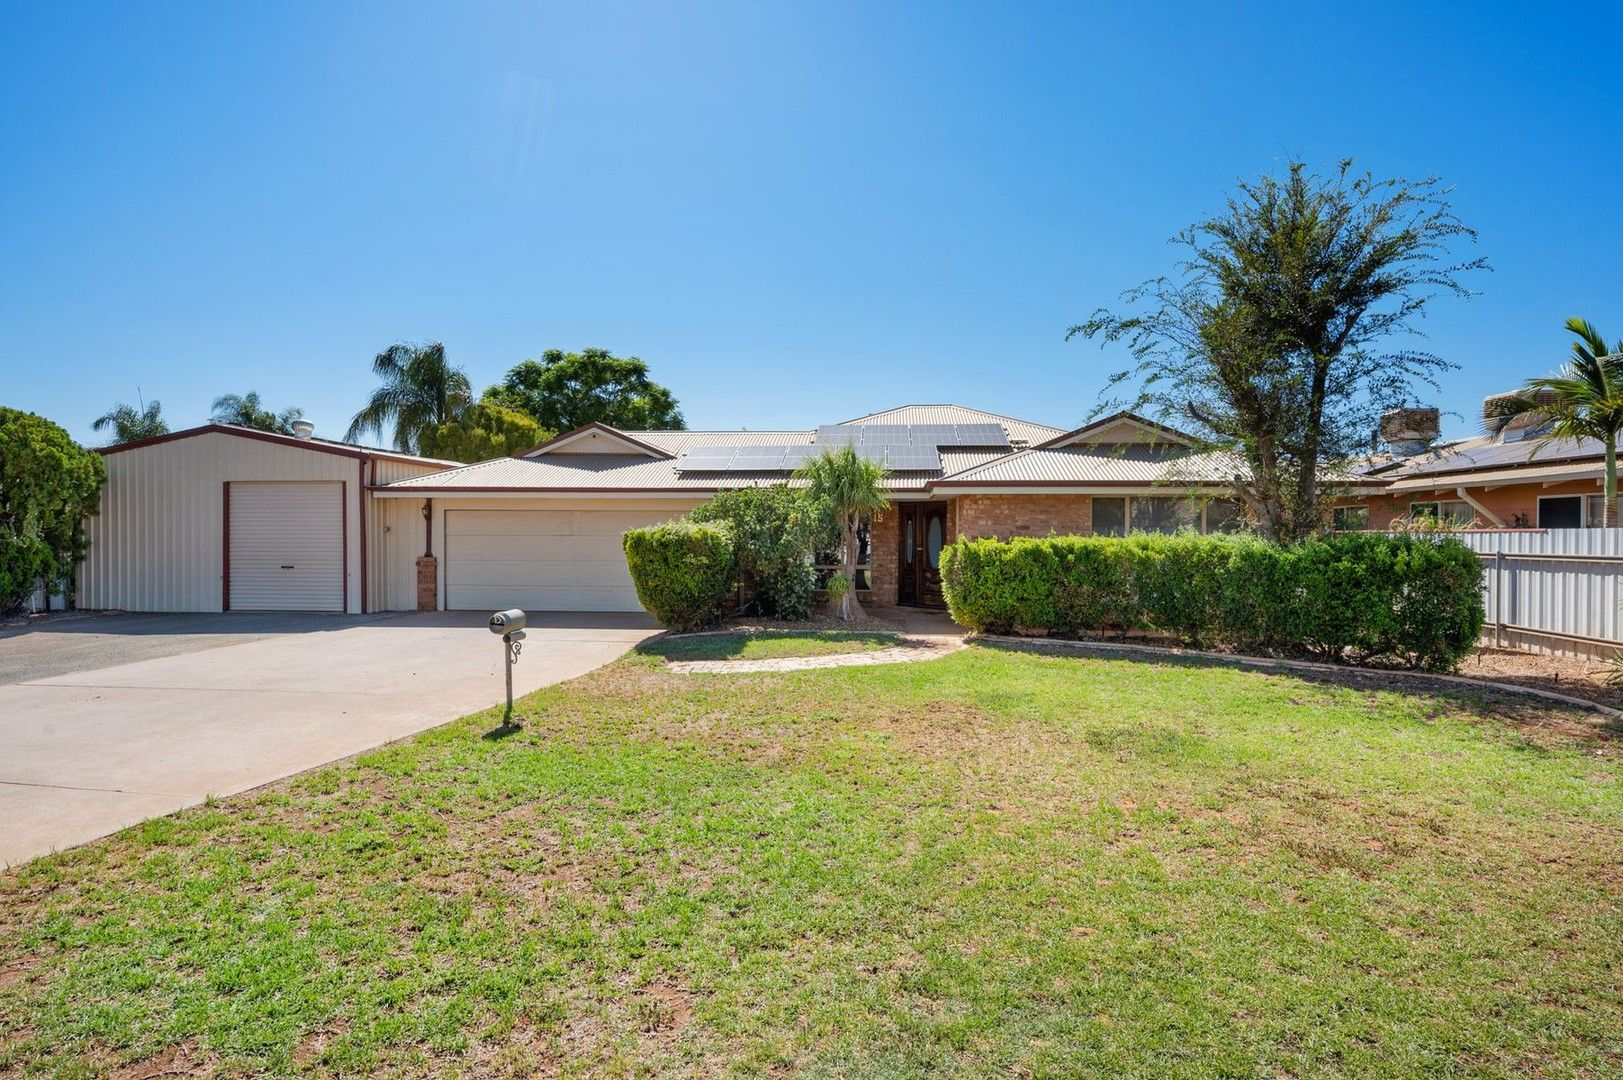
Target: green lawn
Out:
[767,644]
[992,864]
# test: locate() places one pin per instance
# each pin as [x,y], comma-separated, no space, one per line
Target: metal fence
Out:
[1554,590]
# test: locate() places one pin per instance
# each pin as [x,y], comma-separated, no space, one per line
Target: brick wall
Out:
[884,548]
[1506,501]
[1004,516]
[428,583]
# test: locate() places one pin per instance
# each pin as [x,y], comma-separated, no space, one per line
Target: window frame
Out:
[1202,523]
[1583,510]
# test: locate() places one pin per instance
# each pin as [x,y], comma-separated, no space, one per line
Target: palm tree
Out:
[420,391]
[131,422]
[849,487]
[246,410]
[1582,400]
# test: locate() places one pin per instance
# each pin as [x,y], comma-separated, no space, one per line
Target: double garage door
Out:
[545,560]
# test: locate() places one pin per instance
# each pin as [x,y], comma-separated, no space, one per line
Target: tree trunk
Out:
[849,607]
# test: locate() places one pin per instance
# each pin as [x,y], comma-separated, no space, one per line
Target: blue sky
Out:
[795,214]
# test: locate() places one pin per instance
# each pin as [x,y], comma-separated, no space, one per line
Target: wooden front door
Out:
[923,532]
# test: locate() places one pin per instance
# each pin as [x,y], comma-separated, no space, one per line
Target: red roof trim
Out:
[320,446]
[596,425]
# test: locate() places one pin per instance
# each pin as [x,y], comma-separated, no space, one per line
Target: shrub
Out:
[49,484]
[683,571]
[775,529]
[1356,597]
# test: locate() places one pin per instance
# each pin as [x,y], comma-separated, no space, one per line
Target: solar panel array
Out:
[896,447]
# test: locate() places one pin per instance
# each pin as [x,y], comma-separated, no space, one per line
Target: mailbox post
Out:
[510,625]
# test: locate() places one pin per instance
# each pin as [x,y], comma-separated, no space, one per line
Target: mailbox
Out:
[505,622]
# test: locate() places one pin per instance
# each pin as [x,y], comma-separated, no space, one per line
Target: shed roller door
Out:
[287,546]
[545,560]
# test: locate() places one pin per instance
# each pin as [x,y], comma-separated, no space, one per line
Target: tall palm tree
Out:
[246,410]
[131,422]
[1582,400]
[849,487]
[420,390]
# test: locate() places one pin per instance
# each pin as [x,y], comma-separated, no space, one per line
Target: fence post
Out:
[1498,597]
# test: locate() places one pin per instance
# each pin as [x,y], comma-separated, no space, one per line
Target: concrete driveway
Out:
[108,720]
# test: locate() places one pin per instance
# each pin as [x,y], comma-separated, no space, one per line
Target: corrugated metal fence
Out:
[1555,590]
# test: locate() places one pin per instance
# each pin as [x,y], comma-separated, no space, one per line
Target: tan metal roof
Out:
[1089,465]
[1525,474]
[1024,430]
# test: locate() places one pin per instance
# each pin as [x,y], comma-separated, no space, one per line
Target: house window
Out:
[1118,515]
[1561,511]
[828,562]
[1349,518]
[1223,516]
[1595,511]
[1110,517]
[1454,513]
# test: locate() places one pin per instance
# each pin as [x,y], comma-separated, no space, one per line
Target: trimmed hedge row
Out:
[684,571]
[1353,597]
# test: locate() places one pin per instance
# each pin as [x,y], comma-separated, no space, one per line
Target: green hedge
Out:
[683,570]
[1356,597]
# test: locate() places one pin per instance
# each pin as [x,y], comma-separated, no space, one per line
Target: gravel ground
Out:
[1585,678]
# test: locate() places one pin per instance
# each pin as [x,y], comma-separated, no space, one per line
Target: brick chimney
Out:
[1407,432]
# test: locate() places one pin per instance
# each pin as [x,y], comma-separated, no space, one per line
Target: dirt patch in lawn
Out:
[1582,677]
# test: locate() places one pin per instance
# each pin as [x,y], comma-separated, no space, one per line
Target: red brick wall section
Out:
[1004,516]
[428,583]
[1506,501]
[885,552]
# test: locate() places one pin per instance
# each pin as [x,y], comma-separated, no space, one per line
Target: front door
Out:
[923,529]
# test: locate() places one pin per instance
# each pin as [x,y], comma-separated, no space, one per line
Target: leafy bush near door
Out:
[49,484]
[775,529]
[1353,597]
[684,571]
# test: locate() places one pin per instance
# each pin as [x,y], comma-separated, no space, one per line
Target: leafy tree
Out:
[1270,338]
[49,484]
[848,487]
[482,432]
[777,530]
[246,410]
[563,391]
[1582,400]
[420,390]
[131,422]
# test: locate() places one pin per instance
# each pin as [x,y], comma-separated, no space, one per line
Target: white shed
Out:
[226,518]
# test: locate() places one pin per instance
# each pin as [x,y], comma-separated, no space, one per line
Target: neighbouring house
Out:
[1513,480]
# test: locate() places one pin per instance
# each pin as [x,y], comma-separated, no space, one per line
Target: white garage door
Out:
[286,546]
[545,560]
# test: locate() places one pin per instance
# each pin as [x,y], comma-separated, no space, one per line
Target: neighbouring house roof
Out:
[323,446]
[1485,452]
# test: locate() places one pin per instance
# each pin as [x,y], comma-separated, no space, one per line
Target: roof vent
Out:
[303,429]
[1408,432]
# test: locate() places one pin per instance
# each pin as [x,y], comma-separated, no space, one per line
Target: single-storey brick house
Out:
[543,529]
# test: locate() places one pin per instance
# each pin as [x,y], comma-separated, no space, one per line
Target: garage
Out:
[286,546]
[546,560]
